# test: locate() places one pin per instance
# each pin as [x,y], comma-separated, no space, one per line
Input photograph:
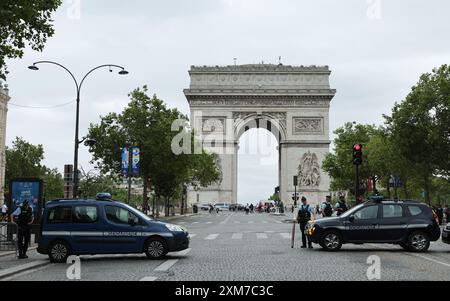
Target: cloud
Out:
[374,61]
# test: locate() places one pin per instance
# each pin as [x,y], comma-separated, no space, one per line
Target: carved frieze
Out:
[308,125]
[209,125]
[260,102]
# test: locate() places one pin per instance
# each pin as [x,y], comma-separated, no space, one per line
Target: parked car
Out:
[222,206]
[205,207]
[233,207]
[446,234]
[81,227]
[410,224]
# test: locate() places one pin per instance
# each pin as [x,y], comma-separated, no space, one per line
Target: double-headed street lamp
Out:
[77,119]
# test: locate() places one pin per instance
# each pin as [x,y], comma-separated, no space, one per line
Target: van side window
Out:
[60,214]
[85,214]
[119,215]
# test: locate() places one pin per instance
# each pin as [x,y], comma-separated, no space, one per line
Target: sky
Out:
[376,50]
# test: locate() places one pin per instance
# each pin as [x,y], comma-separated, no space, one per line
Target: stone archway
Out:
[292,102]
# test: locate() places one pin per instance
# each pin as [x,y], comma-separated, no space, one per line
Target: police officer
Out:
[305,213]
[23,217]
[341,206]
[327,207]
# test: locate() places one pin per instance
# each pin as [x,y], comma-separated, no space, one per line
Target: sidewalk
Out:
[10,265]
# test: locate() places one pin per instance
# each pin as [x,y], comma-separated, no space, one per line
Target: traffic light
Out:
[357,154]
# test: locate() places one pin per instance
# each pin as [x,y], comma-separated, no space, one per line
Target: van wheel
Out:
[59,251]
[418,242]
[331,241]
[156,248]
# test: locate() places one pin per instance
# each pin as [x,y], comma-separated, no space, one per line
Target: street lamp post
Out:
[77,118]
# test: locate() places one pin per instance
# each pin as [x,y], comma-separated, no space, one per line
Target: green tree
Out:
[24,160]
[53,184]
[420,127]
[22,22]
[338,164]
[147,122]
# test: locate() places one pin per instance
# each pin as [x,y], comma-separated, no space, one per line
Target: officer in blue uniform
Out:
[305,213]
[23,217]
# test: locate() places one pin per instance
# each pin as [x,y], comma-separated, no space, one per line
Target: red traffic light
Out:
[357,147]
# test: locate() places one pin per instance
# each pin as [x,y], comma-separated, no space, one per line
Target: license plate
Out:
[445,234]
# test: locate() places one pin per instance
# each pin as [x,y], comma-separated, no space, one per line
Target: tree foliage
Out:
[24,160]
[24,22]
[414,145]
[420,127]
[147,122]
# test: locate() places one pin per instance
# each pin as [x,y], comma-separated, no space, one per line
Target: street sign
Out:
[395,182]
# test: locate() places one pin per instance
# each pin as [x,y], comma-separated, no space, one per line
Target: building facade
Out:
[292,102]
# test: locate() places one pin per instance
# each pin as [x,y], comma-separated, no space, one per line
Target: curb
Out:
[168,218]
[22,268]
[9,253]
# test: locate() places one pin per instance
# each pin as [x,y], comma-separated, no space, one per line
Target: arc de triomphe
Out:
[292,102]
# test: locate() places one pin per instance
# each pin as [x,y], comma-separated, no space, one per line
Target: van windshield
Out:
[138,213]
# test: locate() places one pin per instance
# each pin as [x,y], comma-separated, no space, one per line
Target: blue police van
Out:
[103,226]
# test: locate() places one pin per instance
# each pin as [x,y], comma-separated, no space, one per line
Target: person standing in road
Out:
[305,213]
[440,214]
[4,213]
[327,207]
[341,206]
[23,217]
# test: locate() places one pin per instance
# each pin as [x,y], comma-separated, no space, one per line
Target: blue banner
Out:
[136,161]
[29,190]
[125,161]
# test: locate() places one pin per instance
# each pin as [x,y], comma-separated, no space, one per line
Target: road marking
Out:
[264,222]
[430,259]
[195,222]
[149,278]
[212,236]
[237,222]
[166,265]
[209,222]
[192,235]
[261,236]
[236,236]
[251,222]
[227,219]
[285,235]
[417,255]
[182,223]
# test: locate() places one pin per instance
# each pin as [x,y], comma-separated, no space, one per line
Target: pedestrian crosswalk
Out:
[240,236]
[231,222]
[211,236]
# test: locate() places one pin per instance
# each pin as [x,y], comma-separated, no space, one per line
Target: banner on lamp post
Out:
[136,161]
[125,162]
